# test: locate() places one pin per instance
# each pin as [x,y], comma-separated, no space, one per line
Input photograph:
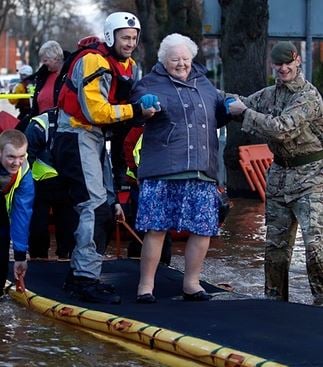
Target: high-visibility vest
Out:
[136,156]
[40,169]
[20,174]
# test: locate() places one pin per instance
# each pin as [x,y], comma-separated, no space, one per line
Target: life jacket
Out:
[14,184]
[121,82]
[42,168]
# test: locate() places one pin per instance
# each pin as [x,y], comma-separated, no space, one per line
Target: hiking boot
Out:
[106,287]
[318,300]
[91,290]
[69,283]
[72,282]
[93,293]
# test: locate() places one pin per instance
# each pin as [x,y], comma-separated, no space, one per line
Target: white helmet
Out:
[26,70]
[119,20]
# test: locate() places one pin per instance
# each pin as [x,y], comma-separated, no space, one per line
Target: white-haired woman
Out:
[51,56]
[178,165]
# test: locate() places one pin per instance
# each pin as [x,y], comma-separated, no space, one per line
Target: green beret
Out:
[283,52]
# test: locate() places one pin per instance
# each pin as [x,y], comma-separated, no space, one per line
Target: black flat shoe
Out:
[198,296]
[146,298]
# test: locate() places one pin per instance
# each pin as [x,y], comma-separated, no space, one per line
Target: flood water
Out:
[235,258]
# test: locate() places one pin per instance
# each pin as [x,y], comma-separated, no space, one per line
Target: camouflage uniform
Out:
[290,117]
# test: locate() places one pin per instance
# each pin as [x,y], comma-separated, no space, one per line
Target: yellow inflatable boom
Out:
[15,96]
[163,345]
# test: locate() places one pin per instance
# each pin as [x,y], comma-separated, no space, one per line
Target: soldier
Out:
[289,116]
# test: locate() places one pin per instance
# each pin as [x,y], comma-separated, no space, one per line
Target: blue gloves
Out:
[149,100]
[227,103]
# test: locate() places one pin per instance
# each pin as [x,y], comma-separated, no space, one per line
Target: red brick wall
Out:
[8,52]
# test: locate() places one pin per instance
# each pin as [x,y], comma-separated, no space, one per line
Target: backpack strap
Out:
[66,72]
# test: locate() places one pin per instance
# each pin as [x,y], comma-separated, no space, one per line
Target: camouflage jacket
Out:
[289,116]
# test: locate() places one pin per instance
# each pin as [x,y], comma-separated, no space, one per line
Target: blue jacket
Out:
[20,214]
[183,136]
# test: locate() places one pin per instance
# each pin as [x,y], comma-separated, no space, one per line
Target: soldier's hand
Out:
[227,103]
[236,107]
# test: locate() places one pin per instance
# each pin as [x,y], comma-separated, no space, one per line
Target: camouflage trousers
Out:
[282,221]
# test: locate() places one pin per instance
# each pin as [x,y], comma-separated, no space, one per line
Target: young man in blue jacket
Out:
[16,199]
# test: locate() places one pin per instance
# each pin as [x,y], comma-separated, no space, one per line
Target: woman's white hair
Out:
[175,39]
[51,49]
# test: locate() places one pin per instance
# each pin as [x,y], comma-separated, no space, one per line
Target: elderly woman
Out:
[178,166]
[51,56]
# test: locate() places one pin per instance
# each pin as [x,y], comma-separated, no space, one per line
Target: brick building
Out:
[9,57]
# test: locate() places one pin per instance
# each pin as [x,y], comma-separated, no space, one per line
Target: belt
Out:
[299,160]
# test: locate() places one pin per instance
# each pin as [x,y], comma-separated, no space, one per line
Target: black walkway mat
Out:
[288,333]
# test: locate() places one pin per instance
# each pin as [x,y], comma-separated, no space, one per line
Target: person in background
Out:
[48,80]
[93,98]
[52,193]
[132,147]
[289,116]
[25,86]
[178,163]
[51,199]
[16,198]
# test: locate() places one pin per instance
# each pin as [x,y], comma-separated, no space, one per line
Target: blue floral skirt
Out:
[183,205]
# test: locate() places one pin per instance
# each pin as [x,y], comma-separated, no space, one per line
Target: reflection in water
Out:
[235,257]
[28,339]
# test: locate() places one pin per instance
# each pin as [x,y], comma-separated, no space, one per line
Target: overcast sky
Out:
[93,16]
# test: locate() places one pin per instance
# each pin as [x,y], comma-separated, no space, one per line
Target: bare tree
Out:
[6,6]
[159,18]
[243,51]
[36,21]
[162,17]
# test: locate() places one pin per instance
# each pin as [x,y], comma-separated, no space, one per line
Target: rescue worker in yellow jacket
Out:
[16,200]
[94,96]
[25,86]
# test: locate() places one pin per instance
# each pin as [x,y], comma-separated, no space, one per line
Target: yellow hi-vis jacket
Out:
[20,174]
[40,169]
